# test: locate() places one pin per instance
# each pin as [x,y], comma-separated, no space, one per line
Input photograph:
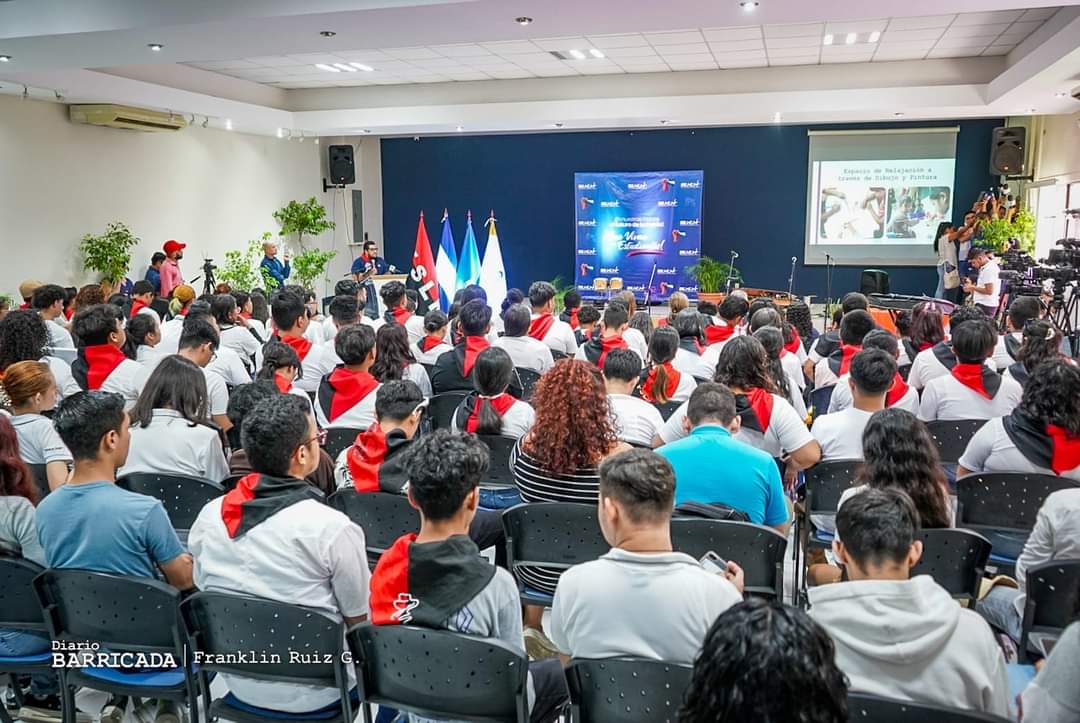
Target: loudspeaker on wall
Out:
[1007,148]
[342,168]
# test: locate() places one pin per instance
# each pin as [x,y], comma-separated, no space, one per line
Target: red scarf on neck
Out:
[430,342]
[977,378]
[840,360]
[755,408]
[284,385]
[365,457]
[673,378]
[246,316]
[299,344]
[573,319]
[401,315]
[502,404]
[1066,449]
[341,390]
[540,326]
[596,349]
[136,306]
[95,364]
[471,347]
[793,345]
[898,391]
[714,333]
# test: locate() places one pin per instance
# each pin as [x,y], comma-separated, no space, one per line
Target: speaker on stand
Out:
[874,281]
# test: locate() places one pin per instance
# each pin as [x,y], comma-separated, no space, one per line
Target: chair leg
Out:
[5,717]
[366,707]
[192,699]
[67,699]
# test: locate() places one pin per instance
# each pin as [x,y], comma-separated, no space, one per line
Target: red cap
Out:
[172,246]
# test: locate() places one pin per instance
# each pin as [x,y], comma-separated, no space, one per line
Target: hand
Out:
[791,477]
[286,257]
[734,575]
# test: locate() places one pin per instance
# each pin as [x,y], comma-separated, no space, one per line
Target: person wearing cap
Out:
[26,291]
[277,271]
[170,268]
[986,291]
[153,272]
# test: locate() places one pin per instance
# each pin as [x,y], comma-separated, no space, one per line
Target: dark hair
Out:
[344,309]
[142,286]
[973,341]
[398,399]
[711,402]
[588,315]
[305,295]
[287,309]
[626,296]
[46,295]
[272,432]
[854,300]
[435,320]
[689,324]
[244,398]
[766,661]
[412,299]
[540,293]
[199,330]
[474,318]
[222,308]
[873,371]
[622,364]
[1022,310]
[882,339]
[516,320]
[962,315]
[492,374]
[260,310]
[899,452]
[513,296]
[615,314]
[23,337]
[88,296]
[93,326]
[642,482]
[346,287]
[571,299]
[368,243]
[855,325]
[744,364]
[878,525]
[732,308]
[941,229]
[707,308]
[84,418]
[279,355]
[393,354]
[1052,394]
[1041,343]
[663,346]
[765,317]
[443,468]
[157,257]
[772,339]
[902,322]
[16,480]
[573,428]
[242,298]
[177,384]
[199,307]
[927,324]
[473,291]
[642,321]
[392,293]
[354,343]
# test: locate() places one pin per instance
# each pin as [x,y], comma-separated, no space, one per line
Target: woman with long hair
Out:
[662,382]
[24,337]
[171,431]
[490,409]
[235,332]
[947,249]
[87,296]
[676,303]
[281,365]
[394,358]
[927,326]
[1040,342]
[643,323]
[785,385]
[143,333]
[260,309]
[31,389]
[798,315]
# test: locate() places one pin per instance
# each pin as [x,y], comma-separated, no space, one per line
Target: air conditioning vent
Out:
[126,117]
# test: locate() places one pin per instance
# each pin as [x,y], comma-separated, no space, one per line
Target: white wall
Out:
[212,189]
[1059,148]
[1057,158]
[367,157]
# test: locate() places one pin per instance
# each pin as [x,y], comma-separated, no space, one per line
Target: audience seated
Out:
[677,302]
[927,329]
[829,342]
[972,389]
[235,332]
[731,313]
[897,637]
[853,327]
[143,334]
[291,320]
[344,311]
[183,296]
[398,312]
[101,363]
[747,648]
[588,317]
[606,608]
[791,353]
[346,396]
[347,311]
[31,390]
[394,358]
[1022,311]
[799,317]
[48,302]
[199,344]
[613,329]
[712,467]
[1054,697]
[1041,342]
[272,537]
[453,369]
[376,460]
[171,431]
[571,307]
[433,344]
[772,340]
[555,333]
[900,394]
[282,366]
[490,409]
[641,322]
[939,359]
[23,337]
[636,420]
[526,351]
[663,382]
[870,376]
[689,357]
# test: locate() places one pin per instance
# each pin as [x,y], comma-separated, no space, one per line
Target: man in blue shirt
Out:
[153,272]
[369,260]
[711,466]
[278,271]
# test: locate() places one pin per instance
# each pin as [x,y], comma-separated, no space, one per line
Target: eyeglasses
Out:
[320,436]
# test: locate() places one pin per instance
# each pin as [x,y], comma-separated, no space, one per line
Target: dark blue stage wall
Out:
[754,194]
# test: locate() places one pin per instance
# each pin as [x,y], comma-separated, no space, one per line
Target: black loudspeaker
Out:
[874,281]
[1007,151]
[342,169]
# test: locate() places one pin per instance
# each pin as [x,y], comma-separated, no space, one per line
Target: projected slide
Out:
[896,202]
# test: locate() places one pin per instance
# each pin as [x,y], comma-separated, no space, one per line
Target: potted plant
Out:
[712,277]
[110,253]
[241,269]
[307,218]
[999,233]
[309,266]
[561,287]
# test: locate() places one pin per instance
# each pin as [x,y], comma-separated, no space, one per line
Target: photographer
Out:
[986,291]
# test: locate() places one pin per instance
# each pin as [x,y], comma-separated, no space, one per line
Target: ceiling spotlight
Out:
[361,66]
[206,121]
[327,68]
[1031,110]
[595,53]
[25,92]
[280,132]
[1061,95]
[316,140]
[523,20]
[5,58]
[558,125]
[898,114]
[827,40]
[192,119]
[228,124]
[327,33]
[749,5]
[577,54]
[460,129]
[59,95]
[874,36]
[851,38]
[346,68]
[156,47]
[776,117]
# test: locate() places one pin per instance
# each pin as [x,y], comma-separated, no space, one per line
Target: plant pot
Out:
[715,297]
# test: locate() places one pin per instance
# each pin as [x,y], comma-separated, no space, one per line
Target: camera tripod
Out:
[209,282]
[1063,312]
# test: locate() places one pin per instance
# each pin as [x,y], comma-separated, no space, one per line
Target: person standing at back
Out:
[273,266]
[986,289]
[170,274]
[153,272]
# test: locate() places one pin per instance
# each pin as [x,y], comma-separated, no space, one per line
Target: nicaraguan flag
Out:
[468,269]
[446,264]
[492,271]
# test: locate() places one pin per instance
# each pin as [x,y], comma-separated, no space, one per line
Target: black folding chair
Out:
[956,559]
[41,479]
[1052,588]
[383,516]
[338,439]
[667,409]
[442,407]
[626,690]
[825,484]
[757,549]
[952,437]
[296,644]
[864,708]
[439,674]
[121,614]
[529,379]
[183,497]
[820,398]
[20,610]
[499,472]
[553,536]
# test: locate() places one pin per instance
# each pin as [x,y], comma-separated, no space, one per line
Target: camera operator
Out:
[986,290]
[273,265]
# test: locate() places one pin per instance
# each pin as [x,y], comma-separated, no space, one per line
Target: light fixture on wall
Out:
[206,121]
[59,96]
[228,124]
[776,117]
[327,33]
[280,132]
[749,5]
[828,39]
[25,92]
[156,47]
[523,20]
[5,58]
[898,114]
[460,129]
[851,38]
[1061,94]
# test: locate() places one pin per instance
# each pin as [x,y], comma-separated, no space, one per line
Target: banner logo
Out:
[637,186]
[586,186]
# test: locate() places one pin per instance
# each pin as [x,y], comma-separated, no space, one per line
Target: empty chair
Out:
[528,380]
[1051,591]
[872,709]
[442,408]
[384,517]
[439,674]
[757,549]
[221,624]
[956,560]
[825,484]
[20,610]
[626,690]
[183,497]
[952,436]
[338,439]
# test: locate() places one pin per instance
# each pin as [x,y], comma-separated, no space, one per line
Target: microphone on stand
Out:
[731,270]
[648,288]
[791,278]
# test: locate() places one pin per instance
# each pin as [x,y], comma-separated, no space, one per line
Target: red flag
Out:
[422,275]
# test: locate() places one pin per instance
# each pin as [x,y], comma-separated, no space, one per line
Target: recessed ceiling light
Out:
[875,36]
[1061,95]
[664,121]
[228,124]
[749,5]
[327,33]
[346,68]
[460,129]
[156,47]
[851,38]
[5,58]
[361,66]
[523,20]
[577,54]
[558,125]
[595,53]
[776,117]
[1031,110]
[827,40]
[898,115]
[327,68]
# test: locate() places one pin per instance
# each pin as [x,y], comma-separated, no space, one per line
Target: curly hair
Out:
[769,662]
[1052,394]
[900,453]
[927,325]
[23,337]
[798,315]
[15,477]
[1041,343]
[392,353]
[573,426]
[744,364]
[87,296]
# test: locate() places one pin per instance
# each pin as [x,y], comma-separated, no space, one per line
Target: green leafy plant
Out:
[712,275]
[309,266]
[241,269]
[998,233]
[307,218]
[110,253]
[6,301]
[561,287]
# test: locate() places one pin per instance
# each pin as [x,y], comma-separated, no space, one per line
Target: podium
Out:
[381,281]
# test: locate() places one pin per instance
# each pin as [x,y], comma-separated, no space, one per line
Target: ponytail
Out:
[660,382]
[488,419]
[277,355]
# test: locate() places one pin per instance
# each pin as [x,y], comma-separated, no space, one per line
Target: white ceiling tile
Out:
[688,59]
[998,50]
[1038,14]
[998,16]
[977,44]
[394,65]
[688,49]
[430,79]
[438,64]
[723,35]
[486,61]
[737,45]
[634,40]
[562,43]
[510,73]
[739,56]
[847,59]
[411,53]
[794,31]
[317,58]
[1024,28]
[647,52]
[920,23]
[556,71]
[226,65]
[710,65]
[538,57]
[976,31]
[791,52]
[856,26]
[804,42]
[894,55]
[388,80]
[951,53]
[650,60]
[353,80]
[257,72]
[836,51]
[654,68]
[794,60]
[918,49]
[364,55]
[686,36]
[459,50]
[908,36]
[510,47]
[598,69]
[466,75]
[272,61]
[761,63]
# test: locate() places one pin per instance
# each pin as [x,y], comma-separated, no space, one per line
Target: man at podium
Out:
[366,265]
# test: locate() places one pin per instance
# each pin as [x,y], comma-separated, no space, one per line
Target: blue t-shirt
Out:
[101,527]
[712,466]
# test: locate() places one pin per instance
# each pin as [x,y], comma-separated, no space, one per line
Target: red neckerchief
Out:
[468,350]
[284,385]
[400,315]
[673,378]
[299,344]
[840,360]
[714,333]
[540,326]
[793,345]
[341,390]
[898,391]
[661,322]
[596,349]
[69,312]
[502,404]
[366,258]
[925,345]
[755,408]
[136,306]
[95,363]
[246,316]
[257,497]
[430,342]
[1066,454]
[365,457]
[977,378]
[573,319]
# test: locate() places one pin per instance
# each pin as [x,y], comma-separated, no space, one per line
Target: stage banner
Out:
[633,227]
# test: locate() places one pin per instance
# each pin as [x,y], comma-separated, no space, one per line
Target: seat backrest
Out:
[1004,500]
[500,447]
[221,624]
[955,559]
[872,709]
[553,534]
[41,479]
[442,407]
[758,550]
[826,482]
[439,674]
[667,409]
[183,497]
[621,690]
[338,439]
[19,606]
[1052,588]
[529,379]
[952,436]
[231,481]
[121,612]
[820,398]
[383,516]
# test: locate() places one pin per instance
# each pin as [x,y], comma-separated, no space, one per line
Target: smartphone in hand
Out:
[713,562]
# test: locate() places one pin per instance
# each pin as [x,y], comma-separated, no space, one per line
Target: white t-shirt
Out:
[320,361]
[991,450]
[127,379]
[39,442]
[841,397]
[230,367]
[633,338]
[990,273]
[360,416]
[691,364]
[430,356]
[946,398]
[636,421]
[314,331]
[840,433]
[308,553]
[329,329]
[59,337]
[171,445]
[560,337]
[170,336]
[516,423]
[414,327]
[792,364]
[927,366]
[1001,357]
[417,374]
[217,393]
[786,433]
[241,341]
[527,353]
[61,371]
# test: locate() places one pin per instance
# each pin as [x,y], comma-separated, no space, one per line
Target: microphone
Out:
[734,254]
[794,259]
